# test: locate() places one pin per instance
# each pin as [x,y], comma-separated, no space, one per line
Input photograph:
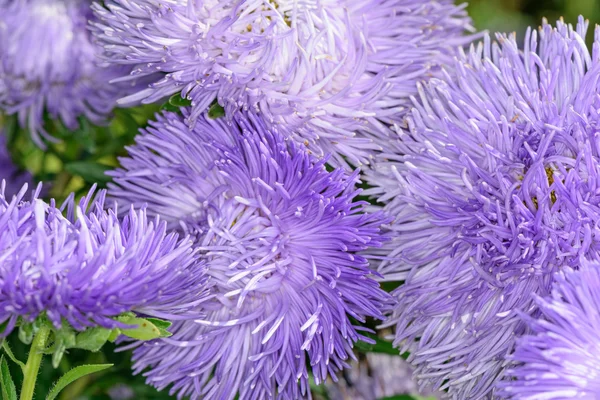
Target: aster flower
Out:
[48,63]
[86,267]
[494,187]
[560,358]
[280,236]
[327,69]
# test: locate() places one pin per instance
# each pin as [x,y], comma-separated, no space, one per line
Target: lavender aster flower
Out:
[494,187]
[48,63]
[86,267]
[325,68]
[280,236]
[560,358]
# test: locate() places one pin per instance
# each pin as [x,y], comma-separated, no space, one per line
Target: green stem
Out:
[34,360]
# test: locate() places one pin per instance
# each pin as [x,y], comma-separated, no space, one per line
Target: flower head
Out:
[280,236]
[560,358]
[494,187]
[86,267]
[325,68]
[48,63]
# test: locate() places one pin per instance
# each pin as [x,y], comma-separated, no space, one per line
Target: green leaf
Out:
[90,171]
[92,339]
[170,107]
[73,375]
[216,111]
[144,330]
[114,334]
[391,285]
[10,354]
[162,325]
[9,392]
[380,346]
[177,101]
[63,339]
[26,332]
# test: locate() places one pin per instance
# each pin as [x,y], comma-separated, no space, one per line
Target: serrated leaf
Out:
[9,391]
[177,101]
[73,375]
[144,330]
[216,111]
[92,339]
[90,171]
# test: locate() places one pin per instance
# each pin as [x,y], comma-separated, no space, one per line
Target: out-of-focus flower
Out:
[494,187]
[373,376]
[121,392]
[336,71]
[280,236]
[48,63]
[560,358]
[14,177]
[87,267]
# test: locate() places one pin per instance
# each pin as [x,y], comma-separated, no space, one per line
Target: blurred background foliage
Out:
[80,158]
[517,15]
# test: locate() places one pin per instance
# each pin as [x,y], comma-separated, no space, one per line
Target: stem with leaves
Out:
[34,360]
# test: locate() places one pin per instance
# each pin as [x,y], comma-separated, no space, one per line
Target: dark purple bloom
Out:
[494,187]
[560,358]
[48,63]
[86,267]
[335,71]
[280,236]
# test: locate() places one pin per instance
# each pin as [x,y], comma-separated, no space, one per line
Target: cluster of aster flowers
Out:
[326,69]
[494,188]
[48,63]
[482,166]
[279,235]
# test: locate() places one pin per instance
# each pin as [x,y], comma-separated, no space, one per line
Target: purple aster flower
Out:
[13,176]
[48,63]
[280,236]
[86,267]
[560,359]
[494,187]
[327,68]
